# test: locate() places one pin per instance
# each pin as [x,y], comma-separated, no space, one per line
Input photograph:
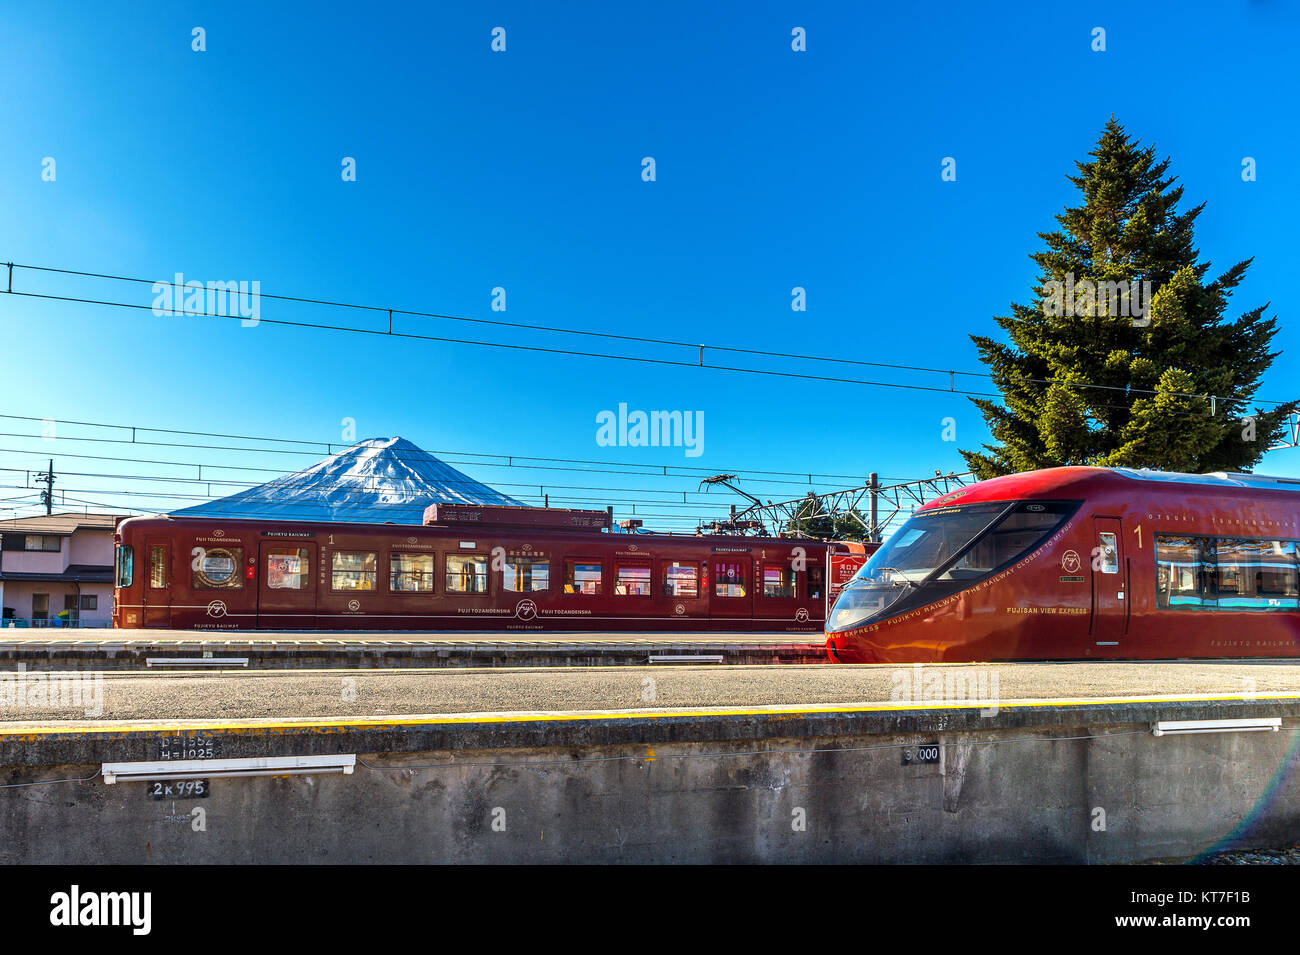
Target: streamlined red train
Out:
[1082,563]
[467,568]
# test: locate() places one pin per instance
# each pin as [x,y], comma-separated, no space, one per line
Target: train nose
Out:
[840,649]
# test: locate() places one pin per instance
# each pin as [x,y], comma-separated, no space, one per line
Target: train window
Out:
[1183,570]
[466,574]
[410,573]
[778,581]
[681,580]
[215,568]
[125,565]
[816,583]
[287,568]
[728,579]
[525,575]
[631,580]
[1109,553]
[158,567]
[1014,536]
[583,577]
[354,570]
[1256,575]
[929,540]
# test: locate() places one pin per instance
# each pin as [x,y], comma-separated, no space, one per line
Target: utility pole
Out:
[873,490]
[47,496]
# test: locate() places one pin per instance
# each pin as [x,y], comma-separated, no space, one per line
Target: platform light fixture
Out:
[1187,727]
[196,661]
[181,769]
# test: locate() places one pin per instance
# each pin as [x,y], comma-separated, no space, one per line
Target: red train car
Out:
[1083,563]
[466,568]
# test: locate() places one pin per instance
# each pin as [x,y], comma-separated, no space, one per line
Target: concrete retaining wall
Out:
[1035,784]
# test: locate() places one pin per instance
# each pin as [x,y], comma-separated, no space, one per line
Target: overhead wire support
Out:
[845,504]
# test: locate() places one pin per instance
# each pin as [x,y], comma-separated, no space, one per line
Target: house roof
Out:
[59,524]
[75,574]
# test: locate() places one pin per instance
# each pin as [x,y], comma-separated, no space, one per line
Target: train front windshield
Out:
[939,552]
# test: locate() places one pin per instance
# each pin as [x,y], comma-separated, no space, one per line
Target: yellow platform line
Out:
[282,725]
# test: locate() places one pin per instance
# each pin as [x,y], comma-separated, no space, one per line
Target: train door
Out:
[158,585]
[731,587]
[286,586]
[1110,594]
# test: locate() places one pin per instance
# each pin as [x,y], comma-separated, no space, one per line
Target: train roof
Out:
[1077,481]
[1214,479]
[321,527]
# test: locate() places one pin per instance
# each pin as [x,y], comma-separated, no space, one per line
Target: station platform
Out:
[134,649]
[956,763]
[511,695]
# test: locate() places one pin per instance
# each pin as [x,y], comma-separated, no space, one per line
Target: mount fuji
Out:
[374,481]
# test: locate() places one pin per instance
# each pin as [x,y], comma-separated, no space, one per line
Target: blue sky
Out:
[522,170]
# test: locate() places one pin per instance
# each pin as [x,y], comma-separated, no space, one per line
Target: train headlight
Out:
[858,603]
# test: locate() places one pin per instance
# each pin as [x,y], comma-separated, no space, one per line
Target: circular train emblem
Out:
[525,610]
[217,608]
[679,609]
[1070,562]
[801,615]
[411,540]
[218,533]
[354,605]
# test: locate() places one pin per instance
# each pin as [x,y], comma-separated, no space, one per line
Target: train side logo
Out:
[217,609]
[679,609]
[354,605]
[801,615]
[1070,562]
[525,610]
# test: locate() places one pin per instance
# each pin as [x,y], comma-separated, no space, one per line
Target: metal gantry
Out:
[1292,437]
[883,503]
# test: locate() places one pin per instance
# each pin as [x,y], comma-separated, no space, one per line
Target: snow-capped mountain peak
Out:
[379,479]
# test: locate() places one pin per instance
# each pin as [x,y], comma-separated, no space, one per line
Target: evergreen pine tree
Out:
[1157,361]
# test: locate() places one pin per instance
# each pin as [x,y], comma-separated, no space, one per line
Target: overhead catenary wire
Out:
[360,494]
[309,514]
[396,506]
[523,325]
[503,460]
[544,350]
[662,511]
[1125,389]
[641,503]
[703,499]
